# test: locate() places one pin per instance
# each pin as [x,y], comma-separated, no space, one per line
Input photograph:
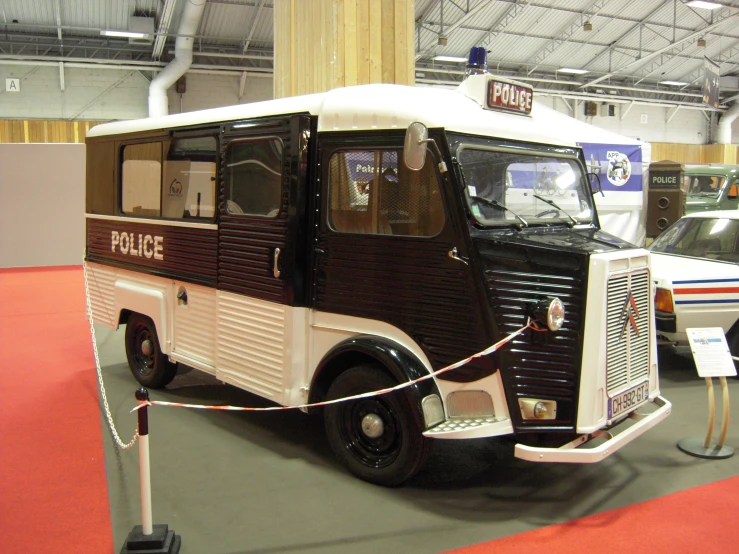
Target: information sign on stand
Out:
[712,359]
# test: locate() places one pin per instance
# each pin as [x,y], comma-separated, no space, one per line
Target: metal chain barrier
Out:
[101,385]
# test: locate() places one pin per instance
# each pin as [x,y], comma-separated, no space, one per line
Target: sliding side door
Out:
[261,251]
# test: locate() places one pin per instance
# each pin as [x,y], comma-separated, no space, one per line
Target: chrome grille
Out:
[628,347]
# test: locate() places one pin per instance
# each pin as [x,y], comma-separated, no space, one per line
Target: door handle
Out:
[276,266]
[453,255]
[182,297]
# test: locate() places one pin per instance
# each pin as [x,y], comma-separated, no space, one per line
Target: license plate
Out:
[628,400]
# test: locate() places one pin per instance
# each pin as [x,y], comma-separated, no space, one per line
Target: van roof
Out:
[379,106]
[711,169]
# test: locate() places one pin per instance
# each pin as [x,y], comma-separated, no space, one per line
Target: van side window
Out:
[180,186]
[371,192]
[141,179]
[254,177]
[189,184]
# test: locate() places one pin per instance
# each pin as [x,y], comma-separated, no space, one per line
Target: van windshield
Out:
[505,186]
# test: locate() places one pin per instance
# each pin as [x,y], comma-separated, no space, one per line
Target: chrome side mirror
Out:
[414,149]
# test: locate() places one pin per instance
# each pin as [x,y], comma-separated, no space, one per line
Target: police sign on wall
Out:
[12,85]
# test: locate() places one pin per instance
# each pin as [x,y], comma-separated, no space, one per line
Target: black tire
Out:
[398,452]
[149,365]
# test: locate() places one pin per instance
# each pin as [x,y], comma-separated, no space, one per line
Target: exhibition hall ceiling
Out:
[625,49]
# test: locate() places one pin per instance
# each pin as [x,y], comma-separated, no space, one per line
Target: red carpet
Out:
[699,520]
[53,492]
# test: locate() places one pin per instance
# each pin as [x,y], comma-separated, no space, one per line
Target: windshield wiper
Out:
[496,204]
[554,205]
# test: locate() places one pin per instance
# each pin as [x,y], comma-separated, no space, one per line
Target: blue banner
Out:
[619,166]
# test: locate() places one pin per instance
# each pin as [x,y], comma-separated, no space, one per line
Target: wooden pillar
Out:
[326,44]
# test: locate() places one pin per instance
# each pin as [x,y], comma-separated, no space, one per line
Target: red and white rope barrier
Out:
[529,325]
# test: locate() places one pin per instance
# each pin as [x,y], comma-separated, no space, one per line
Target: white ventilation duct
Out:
[192,13]
[724,124]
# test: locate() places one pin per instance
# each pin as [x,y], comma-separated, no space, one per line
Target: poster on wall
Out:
[711,73]
[619,166]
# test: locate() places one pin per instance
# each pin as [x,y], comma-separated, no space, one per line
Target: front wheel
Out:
[149,365]
[377,438]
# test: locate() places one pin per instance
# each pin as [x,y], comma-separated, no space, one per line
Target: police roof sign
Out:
[509,96]
[12,85]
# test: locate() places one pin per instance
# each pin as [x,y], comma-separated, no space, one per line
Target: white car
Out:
[695,265]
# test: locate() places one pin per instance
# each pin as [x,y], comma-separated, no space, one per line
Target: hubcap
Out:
[147,349]
[372,426]
[371,432]
[144,350]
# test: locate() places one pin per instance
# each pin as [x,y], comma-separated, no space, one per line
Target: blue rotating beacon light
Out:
[477,62]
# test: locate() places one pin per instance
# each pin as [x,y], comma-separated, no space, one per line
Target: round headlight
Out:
[555,315]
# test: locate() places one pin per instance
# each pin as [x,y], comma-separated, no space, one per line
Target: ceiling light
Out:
[125,34]
[571,70]
[673,83]
[704,5]
[450,59]
[587,26]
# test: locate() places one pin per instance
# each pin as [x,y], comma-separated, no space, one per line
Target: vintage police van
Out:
[327,245]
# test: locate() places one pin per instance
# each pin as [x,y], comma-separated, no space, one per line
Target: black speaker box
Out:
[664,207]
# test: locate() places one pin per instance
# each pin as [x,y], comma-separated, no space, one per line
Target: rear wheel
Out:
[377,438]
[149,365]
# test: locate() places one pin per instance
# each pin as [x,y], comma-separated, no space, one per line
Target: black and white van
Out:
[322,246]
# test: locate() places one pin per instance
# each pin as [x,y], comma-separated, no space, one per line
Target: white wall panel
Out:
[214,91]
[686,126]
[42,203]
[100,94]
[109,94]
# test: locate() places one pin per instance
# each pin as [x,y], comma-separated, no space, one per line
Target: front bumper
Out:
[621,434]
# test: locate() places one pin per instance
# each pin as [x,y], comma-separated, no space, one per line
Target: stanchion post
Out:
[142,398]
[149,538]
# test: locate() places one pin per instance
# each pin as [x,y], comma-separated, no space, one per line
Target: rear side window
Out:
[189,185]
[174,179]
[141,179]
[372,192]
[254,177]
